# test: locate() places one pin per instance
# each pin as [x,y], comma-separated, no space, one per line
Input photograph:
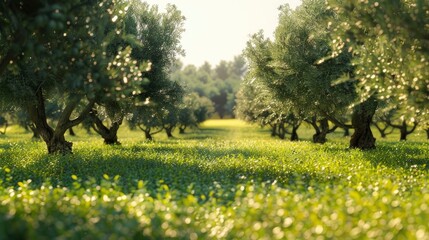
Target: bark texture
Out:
[148,135]
[404,130]
[294,133]
[182,129]
[54,138]
[363,113]
[321,130]
[169,131]
[109,134]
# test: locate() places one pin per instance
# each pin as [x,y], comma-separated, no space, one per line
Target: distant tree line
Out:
[219,84]
[341,64]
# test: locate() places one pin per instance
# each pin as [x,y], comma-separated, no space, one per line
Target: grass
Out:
[228,180]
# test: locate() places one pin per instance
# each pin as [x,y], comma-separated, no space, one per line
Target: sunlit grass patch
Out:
[225,180]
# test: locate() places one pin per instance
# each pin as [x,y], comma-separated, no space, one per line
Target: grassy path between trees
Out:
[227,180]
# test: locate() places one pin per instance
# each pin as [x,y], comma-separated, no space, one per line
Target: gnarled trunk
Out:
[281,132]
[321,131]
[58,144]
[346,132]
[319,137]
[148,135]
[182,129]
[294,133]
[383,130]
[54,138]
[404,130]
[273,130]
[110,135]
[363,113]
[403,134]
[36,135]
[148,132]
[71,132]
[168,131]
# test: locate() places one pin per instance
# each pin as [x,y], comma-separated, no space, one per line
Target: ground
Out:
[225,180]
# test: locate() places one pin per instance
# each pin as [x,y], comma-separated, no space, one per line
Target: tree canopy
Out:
[389,41]
[86,51]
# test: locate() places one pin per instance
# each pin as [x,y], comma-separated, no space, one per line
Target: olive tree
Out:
[51,48]
[155,40]
[160,112]
[298,66]
[256,104]
[193,111]
[303,75]
[389,40]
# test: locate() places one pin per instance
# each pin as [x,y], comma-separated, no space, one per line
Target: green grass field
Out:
[227,180]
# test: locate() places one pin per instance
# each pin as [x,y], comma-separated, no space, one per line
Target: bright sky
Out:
[218,30]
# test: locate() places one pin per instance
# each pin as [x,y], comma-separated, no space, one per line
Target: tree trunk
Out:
[54,140]
[362,137]
[71,132]
[383,130]
[58,144]
[281,131]
[427,133]
[346,132]
[294,134]
[320,135]
[182,129]
[110,135]
[404,133]
[168,131]
[273,130]
[147,135]
[33,129]
[111,140]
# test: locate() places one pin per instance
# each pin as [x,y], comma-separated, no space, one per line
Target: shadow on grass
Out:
[393,154]
[400,155]
[205,169]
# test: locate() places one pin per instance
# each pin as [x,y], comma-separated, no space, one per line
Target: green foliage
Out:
[159,37]
[219,84]
[67,49]
[194,110]
[256,104]
[62,48]
[228,181]
[291,67]
[389,41]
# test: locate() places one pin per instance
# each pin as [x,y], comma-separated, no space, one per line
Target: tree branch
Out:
[414,128]
[313,123]
[94,127]
[143,129]
[158,131]
[82,115]
[388,122]
[65,115]
[337,122]
[333,129]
